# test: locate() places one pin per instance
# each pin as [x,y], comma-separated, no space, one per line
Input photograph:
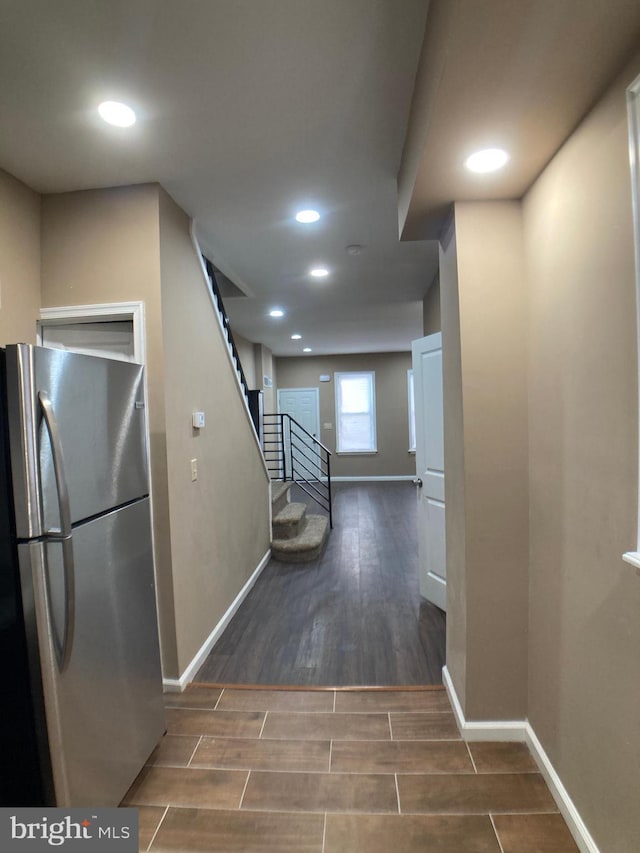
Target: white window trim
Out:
[633,113]
[410,386]
[370,451]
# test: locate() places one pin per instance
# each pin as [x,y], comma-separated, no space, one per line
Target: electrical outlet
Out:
[194,470]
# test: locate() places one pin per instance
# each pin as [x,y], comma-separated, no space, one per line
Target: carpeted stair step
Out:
[304,547]
[279,496]
[289,522]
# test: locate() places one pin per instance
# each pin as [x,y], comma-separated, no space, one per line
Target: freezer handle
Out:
[62,647]
[58,464]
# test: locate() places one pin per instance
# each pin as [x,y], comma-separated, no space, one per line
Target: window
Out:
[412,412]
[355,412]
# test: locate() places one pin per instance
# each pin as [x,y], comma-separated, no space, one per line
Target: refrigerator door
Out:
[97,408]
[103,703]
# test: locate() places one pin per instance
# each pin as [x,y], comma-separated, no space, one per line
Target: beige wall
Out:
[104,246]
[133,244]
[19,261]
[266,366]
[584,614]
[492,301]
[392,458]
[220,523]
[486,462]
[431,321]
[456,654]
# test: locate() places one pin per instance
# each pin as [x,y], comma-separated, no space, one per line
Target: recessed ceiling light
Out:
[307,349]
[120,115]
[488,160]
[295,337]
[307,216]
[319,272]
[276,312]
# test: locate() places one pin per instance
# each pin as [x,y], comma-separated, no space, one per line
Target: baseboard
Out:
[522,730]
[496,730]
[385,479]
[569,812]
[177,685]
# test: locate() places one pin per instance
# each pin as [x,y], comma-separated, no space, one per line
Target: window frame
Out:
[372,400]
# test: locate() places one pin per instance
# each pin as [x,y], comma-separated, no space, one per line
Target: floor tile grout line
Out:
[324,831]
[496,833]
[266,714]
[330,753]
[215,707]
[390,726]
[335,694]
[153,837]
[471,757]
[244,790]
[195,750]
[395,776]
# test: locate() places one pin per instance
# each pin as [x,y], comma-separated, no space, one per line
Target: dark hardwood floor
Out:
[352,617]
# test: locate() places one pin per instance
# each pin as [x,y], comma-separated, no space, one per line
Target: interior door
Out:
[427,379]
[303,404]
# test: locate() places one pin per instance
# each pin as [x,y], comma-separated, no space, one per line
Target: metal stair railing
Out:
[292,453]
[250,396]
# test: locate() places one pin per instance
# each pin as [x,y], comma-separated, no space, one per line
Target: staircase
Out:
[297,537]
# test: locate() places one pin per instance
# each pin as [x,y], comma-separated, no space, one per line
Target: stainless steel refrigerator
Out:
[82,707]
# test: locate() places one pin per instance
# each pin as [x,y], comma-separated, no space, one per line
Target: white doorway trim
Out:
[133,311]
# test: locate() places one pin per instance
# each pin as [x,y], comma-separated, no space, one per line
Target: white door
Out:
[303,404]
[427,384]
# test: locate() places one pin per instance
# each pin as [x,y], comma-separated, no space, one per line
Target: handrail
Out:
[293,445]
[312,437]
[225,322]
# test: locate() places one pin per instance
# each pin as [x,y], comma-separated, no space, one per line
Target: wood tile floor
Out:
[290,771]
[353,616]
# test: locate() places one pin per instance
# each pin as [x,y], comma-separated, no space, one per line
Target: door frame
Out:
[103,312]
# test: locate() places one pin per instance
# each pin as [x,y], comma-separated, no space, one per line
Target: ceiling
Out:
[249,110]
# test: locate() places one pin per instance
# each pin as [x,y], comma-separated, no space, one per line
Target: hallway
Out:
[352,617]
[329,771]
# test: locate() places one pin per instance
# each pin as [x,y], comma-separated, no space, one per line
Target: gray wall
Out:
[393,457]
[133,243]
[584,610]
[431,321]
[541,453]
[19,261]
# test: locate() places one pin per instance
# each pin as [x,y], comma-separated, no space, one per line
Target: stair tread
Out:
[311,537]
[291,513]
[278,489]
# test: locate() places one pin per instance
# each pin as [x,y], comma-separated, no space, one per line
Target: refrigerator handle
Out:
[63,648]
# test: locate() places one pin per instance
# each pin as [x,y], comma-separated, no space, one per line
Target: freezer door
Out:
[103,700]
[97,408]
